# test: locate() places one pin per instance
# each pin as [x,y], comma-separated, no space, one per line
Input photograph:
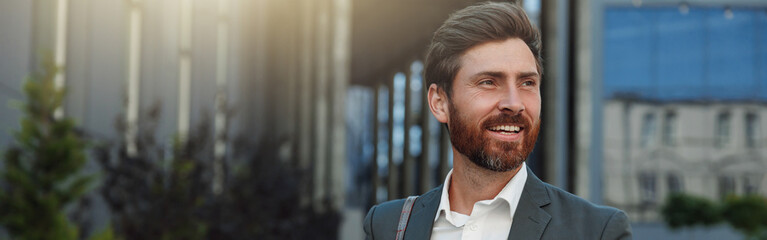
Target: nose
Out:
[511,102]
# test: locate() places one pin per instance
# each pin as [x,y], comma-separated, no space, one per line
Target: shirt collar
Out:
[510,193]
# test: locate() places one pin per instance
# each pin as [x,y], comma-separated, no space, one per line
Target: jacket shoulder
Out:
[381,220]
[578,204]
[595,221]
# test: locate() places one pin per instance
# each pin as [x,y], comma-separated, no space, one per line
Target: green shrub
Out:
[42,168]
[747,214]
[155,195]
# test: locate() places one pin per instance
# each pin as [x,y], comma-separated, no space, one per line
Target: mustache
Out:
[504,118]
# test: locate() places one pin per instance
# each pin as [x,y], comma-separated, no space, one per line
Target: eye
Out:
[486,82]
[528,83]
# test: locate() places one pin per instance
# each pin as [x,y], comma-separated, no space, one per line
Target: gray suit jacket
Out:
[543,212]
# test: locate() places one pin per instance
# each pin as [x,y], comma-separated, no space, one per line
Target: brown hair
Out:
[471,26]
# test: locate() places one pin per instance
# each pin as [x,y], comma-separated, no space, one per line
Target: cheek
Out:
[533,105]
[480,106]
[474,102]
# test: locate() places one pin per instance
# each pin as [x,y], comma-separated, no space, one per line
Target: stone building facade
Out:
[709,149]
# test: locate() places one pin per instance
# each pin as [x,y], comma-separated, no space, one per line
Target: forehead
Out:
[510,56]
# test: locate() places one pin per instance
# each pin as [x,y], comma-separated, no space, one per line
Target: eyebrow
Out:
[527,74]
[497,74]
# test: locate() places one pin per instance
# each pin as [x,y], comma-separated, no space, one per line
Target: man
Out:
[484,72]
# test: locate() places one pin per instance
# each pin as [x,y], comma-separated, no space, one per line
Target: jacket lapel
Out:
[422,218]
[529,219]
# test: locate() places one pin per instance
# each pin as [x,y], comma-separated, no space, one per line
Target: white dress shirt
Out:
[489,219]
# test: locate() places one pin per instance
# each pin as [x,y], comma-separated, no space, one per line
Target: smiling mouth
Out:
[506,129]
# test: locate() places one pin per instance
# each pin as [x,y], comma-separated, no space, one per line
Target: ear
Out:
[438,103]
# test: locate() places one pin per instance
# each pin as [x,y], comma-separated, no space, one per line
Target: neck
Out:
[470,183]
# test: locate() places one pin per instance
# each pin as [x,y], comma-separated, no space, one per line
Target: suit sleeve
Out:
[617,227]
[368,224]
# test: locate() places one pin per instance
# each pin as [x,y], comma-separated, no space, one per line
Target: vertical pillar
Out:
[392,178]
[555,18]
[587,99]
[408,163]
[220,119]
[134,73]
[305,100]
[60,47]
[184,68]
[341,74]
[321,105]
[376,180]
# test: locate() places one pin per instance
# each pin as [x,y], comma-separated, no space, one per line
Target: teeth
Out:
[506,128]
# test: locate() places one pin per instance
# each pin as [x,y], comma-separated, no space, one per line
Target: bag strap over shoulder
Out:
[405,216]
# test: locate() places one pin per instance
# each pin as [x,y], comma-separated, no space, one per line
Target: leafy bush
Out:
[262,201]
[747,214]
[42,170]
[152,197]
[683,210]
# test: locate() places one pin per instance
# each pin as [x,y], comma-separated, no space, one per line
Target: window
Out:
[752,130]
[647,186]
[674,183]
[648,129]
[726,186]
[722,130]
[669,129]
[751,184]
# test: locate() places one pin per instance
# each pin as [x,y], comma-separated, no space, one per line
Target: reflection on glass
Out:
[648,129]
[726,186]
[684,92]
[752,130]
[669,129]
[751,184]
[647,184]
[674,183]
[722,130]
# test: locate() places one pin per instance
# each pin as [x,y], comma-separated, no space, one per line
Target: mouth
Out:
[506,132]
[506,129]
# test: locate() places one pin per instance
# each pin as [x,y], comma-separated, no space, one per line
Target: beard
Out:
[489,153]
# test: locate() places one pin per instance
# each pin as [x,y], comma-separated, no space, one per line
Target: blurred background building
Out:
[641,98]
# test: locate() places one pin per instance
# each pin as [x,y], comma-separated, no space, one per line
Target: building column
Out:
[220,124]
[587,54]
[392,188]
[408,164]
[341,71]
[184,69]
[60,49]
[375,178]
[321,104]
[134,74]
[556,38]
[306,84]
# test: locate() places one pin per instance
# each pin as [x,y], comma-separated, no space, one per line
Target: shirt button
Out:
[473,227]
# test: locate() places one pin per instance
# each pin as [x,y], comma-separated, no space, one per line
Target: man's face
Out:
[494,111]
